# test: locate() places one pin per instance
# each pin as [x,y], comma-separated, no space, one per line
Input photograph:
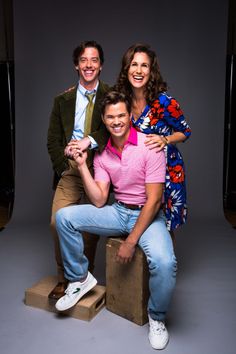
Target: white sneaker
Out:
[158,334]
[74,292]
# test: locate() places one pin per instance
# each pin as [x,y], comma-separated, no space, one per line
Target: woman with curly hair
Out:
[158,115]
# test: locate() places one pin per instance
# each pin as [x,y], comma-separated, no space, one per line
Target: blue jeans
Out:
[116,220]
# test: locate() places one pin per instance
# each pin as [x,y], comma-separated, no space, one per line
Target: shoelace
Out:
[157,326]
[70,289]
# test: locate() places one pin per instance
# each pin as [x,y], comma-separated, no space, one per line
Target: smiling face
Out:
[139,70]
[89,67]
[117,121]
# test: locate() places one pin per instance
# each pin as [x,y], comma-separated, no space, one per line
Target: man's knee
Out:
[60,216]
[163,264]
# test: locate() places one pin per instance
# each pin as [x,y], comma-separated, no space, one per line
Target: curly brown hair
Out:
[155,85]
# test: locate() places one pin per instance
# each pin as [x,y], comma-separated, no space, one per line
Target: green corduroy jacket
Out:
[61,126]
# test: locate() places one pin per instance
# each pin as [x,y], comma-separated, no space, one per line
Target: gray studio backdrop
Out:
[190,40]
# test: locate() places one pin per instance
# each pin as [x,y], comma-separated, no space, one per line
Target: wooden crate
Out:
[85,309]
[127,290]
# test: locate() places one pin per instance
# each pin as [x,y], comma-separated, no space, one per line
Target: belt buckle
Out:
[119,202]
[138,207]
[134,207]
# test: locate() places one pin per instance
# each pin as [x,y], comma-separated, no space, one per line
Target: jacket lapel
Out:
[68,112]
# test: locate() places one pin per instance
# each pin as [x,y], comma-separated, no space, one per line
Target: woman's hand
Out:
[157,142]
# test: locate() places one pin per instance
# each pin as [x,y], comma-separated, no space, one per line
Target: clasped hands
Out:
[77,148]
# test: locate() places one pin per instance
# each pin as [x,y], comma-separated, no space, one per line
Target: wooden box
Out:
[127,290]
[85,309]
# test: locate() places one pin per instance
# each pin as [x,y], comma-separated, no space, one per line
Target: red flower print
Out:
[174,109]
[176,174]
[157,112]
[169,203]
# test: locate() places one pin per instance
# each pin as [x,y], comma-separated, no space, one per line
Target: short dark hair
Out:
[78,51]
[114,97]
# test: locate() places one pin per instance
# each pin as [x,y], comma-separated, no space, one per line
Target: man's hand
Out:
[125,252]
[70,149]
[79,157]
[76,145]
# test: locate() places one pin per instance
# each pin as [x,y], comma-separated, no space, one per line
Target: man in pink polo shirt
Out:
[138,176]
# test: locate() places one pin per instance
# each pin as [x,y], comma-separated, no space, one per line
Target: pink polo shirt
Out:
[129,171]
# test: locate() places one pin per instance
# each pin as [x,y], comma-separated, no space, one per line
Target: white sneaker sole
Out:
[63,307]
[160,346]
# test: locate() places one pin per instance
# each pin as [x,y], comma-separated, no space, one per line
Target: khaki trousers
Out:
[70,191]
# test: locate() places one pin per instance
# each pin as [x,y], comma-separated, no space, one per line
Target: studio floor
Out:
[202,317]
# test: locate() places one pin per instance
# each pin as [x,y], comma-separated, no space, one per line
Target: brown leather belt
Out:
[129,206]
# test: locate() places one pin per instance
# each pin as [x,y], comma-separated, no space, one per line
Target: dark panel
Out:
[7,136]
[229,178]
[230,135]
[6,30]
[7,112]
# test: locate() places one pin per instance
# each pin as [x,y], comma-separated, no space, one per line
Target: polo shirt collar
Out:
[132,139]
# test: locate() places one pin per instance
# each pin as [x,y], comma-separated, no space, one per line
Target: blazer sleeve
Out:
[56,140]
